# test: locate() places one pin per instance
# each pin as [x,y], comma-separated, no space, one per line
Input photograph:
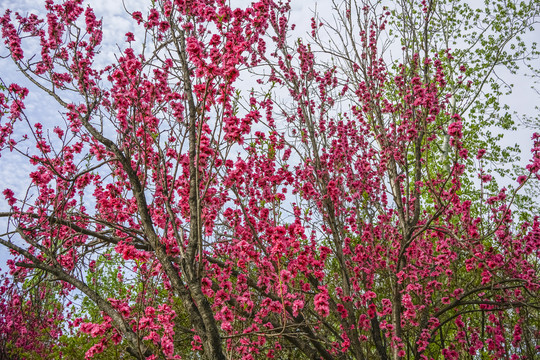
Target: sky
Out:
[14,168]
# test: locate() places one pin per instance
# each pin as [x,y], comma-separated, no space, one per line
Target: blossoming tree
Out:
[325,213]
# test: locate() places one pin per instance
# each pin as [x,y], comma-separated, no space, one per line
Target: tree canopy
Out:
[231,188]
